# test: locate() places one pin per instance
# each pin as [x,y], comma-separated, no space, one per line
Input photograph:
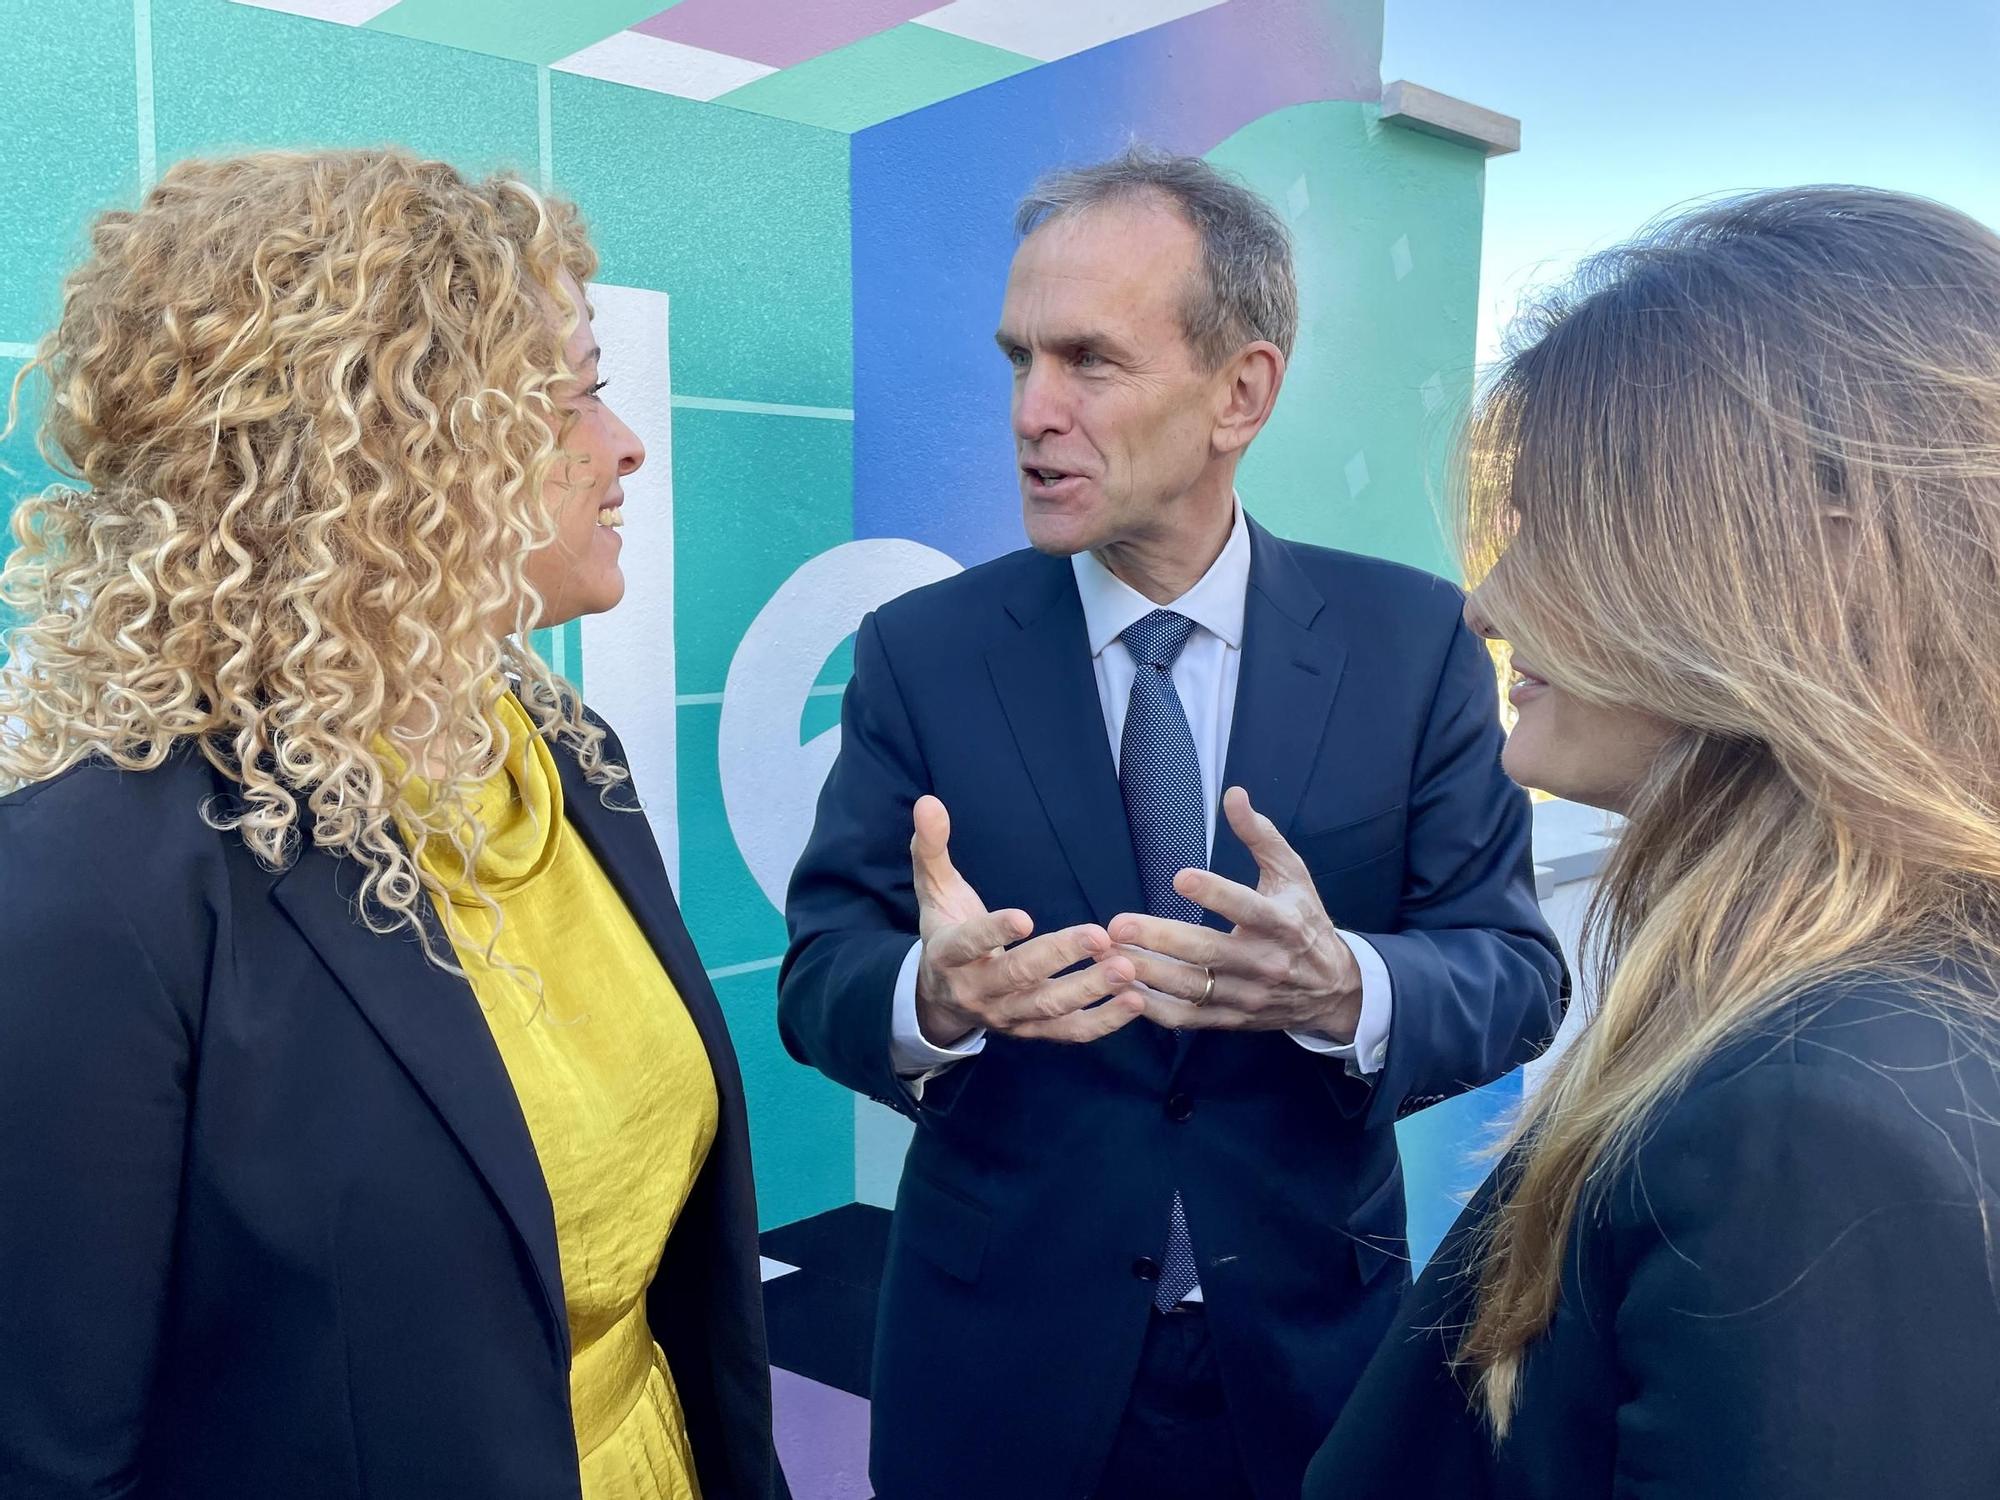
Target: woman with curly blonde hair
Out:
[1737,504]
[367,1124]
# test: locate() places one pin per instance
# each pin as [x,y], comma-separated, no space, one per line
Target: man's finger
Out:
[1085,1025]
[1178,1015]
[1261,836]
[1168,976]
[1227,899]
[976,937]
[1054,998]
[1035,960]
[1182,940]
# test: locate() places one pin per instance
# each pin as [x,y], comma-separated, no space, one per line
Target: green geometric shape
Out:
[821,713]
[741,219]
[1384,361]
[727,913]
[822,707]
[231,76]
[67,74]
[839,665]
[22,470]
[906,68]
[801,1123]
[536,31]
[754,498]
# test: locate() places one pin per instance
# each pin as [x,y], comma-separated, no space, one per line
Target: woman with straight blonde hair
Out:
[367,1124]
[1736,501]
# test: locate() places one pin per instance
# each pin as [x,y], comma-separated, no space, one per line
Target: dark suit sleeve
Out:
[94,1075]
[852,906]
[1476,975]
[1808,1304]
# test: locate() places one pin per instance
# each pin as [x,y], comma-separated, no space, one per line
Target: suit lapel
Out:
[429,1019]
[1285,689]
[623,843]
[1284,693]
[1044,678]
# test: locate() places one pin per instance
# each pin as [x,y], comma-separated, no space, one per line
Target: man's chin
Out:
[1054,536]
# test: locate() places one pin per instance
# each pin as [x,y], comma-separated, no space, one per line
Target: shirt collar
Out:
[1215,603]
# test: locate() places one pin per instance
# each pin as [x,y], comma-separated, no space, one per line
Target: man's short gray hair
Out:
[1248,291]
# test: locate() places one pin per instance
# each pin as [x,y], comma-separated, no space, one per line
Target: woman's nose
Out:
[1475,618]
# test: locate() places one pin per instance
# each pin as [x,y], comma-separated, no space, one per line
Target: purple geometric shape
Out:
[779,33]
[822,1438]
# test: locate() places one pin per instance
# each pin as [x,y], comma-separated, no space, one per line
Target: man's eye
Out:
[1088,359]
[1018,358]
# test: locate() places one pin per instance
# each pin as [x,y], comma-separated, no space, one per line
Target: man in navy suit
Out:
[1154,1033]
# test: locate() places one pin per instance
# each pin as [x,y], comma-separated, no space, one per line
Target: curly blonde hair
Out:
[304,400]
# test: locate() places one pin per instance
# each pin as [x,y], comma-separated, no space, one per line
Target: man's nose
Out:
[1040,404]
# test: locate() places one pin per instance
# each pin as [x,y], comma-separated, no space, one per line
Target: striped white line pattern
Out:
[653,63]
[765,408]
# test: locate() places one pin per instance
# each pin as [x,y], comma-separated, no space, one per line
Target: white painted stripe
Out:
[17,351]
[648,62]
[142,67]
[545,118]
[755,966]
[765,408]
[346,12]
[629,652]
[773,1269]
[1049,29]
[703,700]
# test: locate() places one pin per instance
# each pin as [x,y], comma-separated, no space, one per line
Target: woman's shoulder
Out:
[1885,1080]
[1903,1029]
[100,826]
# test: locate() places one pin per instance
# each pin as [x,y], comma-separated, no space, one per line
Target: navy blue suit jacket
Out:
[1790,1290]
[271,1222]
[1036,1191]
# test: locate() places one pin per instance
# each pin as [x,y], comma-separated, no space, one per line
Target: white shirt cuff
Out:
[1365,1054]
[915,1058]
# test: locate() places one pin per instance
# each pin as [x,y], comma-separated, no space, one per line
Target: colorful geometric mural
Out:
[803,210]
[821,196]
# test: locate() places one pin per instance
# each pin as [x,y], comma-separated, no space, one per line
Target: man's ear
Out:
[1248,389]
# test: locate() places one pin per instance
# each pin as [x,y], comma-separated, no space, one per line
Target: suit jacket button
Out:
[1146,1268]
[1180,1108]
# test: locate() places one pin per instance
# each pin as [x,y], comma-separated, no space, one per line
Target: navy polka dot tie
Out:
[1161,778]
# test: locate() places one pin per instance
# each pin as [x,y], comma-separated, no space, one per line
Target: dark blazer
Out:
[271,1222]
[1035,1196]
[1793,1289]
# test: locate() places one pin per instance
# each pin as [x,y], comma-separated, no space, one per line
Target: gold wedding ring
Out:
[1208,989]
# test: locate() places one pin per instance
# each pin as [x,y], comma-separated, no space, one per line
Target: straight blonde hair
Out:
[1745,475]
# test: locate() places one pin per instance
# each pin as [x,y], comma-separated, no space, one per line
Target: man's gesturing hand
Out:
[1283,968]
[969,978]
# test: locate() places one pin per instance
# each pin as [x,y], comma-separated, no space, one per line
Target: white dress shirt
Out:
[1205,676]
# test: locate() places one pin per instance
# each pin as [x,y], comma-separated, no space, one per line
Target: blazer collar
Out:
[430,1020]
[620,836]
[1291,670]
[1048,690]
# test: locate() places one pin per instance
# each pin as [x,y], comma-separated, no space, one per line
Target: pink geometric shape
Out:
[779,32]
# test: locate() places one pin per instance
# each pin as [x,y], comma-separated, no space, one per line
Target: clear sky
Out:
[1629,107]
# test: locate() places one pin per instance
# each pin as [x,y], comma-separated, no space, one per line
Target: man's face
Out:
[1113,414]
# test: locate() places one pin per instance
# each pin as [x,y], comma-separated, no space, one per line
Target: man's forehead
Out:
[1115,247]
